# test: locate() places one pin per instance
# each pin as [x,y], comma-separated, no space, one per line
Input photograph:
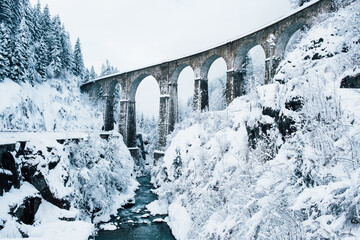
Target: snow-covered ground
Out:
[281,162]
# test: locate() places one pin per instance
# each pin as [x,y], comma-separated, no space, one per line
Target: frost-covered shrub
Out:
[102,175]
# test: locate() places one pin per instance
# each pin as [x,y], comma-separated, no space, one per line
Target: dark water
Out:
[132,223]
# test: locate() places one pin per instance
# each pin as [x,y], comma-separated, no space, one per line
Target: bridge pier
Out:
[109,112]
[131,124]
[173,107]
[163,120]
[201,95]
[123,119]
[234,85]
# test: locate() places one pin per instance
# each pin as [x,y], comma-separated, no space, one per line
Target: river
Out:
[135,222]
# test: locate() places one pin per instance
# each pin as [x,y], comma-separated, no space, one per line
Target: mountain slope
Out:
[281,162]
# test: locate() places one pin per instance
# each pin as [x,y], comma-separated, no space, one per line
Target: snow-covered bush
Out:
[102,175]
[281,162]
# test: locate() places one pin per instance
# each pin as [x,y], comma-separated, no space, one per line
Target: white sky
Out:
[136,33]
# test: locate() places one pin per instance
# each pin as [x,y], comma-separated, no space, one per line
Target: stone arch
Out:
[131,108]
[176,73]
[96,91]
[241,54]
[240,71]
[254,71]
[207,64]
[216,78]
[177,106]
[284,38]
[112,96]
[135,84]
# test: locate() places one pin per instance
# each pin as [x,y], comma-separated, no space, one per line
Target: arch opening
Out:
[286,36]
[294,40]
[147,104]
[253,69]
[217,84]
[185,81]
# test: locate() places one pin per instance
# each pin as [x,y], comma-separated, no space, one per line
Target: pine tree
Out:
[20,56]
[107,69]
[66,54]
[36,31]
[78,68]
[45,23]
[5,52]
[11,13]
[86,75]
[93,74]
[55,48]
[41,59]
[298,3]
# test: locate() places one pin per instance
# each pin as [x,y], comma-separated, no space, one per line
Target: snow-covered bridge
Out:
[273,38]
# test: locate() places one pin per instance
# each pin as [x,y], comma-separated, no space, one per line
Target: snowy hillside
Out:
[281,162]
[56,105]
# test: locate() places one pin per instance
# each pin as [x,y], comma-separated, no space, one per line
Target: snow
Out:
[108,227]
[77,230]
[157,207]
[179,221]
[158,220]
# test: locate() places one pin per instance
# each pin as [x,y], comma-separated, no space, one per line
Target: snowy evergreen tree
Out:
[107,69]
[298,3]
[12,13]
[45,23]
[78,68]
[42,60]
[36,29]
[86,75]
[66,54]
[55,48]
[20,56]
[93,74]
[5,52]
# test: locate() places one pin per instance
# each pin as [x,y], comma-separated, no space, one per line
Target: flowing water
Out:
[135,222]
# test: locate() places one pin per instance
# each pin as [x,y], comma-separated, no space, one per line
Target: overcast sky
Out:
[136,33]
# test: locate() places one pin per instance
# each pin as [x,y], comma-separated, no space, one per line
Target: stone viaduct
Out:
[273,38]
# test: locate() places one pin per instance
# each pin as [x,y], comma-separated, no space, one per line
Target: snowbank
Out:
[281,162]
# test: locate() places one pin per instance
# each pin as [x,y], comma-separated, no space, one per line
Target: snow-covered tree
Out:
[78,68]
[217,98]
[92,74]
[66,54]
[55,48]
[5,52]
[298,3]
[107,69]
[42,60]
[20,56]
